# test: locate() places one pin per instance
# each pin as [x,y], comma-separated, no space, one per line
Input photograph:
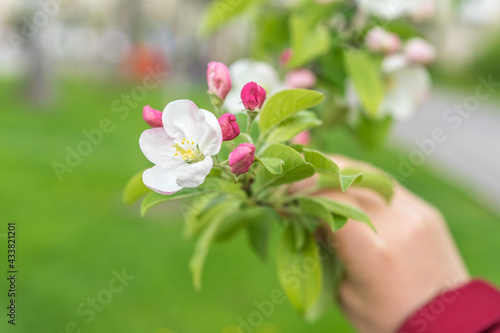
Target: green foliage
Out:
[299,271]
[292,126]
[153,198]
[325,165]
[258,230]
[135,189]
[364,72]
[217,216]
[309,39]
[220,12]
[373,132]
[317,209]
[272,164]
[342,209]
[332,277]
[378,181]
[271,38]
[284,104]
[294,168]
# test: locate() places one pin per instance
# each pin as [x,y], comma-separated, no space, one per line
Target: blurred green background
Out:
[74,235]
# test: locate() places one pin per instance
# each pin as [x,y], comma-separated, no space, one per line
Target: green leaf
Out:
[292,126]
[310,39]
[316,209]
[198,216]
[258,231]
[153,198]
[342,209]
[340,222]
[294,169]
[373,132]
[272,164]
[299,272]
[241,218]
[378,181]
[220,12]
[135,189]
[325,165]
[332,277]
[285,104]
[365,74]
[347,180]
[206,239]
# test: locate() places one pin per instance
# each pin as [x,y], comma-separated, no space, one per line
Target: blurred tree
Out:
[37,85]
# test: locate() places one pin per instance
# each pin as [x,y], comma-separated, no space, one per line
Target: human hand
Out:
[392,273]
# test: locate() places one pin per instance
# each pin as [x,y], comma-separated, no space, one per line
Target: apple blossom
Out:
[420,51]
[229,126]
[219,80]
[300,78]
[253,96]
[242,158]
[393,9]
[379,40]
[181,150]
[407,86]
[152,116]
[244,71]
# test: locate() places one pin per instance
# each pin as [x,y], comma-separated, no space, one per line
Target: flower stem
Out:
[251,120]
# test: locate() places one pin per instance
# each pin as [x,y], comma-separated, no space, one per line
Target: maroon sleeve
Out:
[472,308]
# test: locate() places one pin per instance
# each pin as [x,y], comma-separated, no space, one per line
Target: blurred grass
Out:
[72,234]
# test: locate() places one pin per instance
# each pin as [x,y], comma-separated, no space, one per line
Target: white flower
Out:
[393,9]
[246,70]
[181,150]
[406,87]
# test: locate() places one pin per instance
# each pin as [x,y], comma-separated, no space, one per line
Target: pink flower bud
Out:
[152,116]
[285,57]
[300,78]
[253,96]
[379,40]
[229,126]
[219,80]
[242,158]
[420,51]
[303,138]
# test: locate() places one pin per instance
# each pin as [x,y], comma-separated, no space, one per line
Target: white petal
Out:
[182,119]
[194,174]
[394,63]
[156,145]
[411,86]
[162,177]
[211,141]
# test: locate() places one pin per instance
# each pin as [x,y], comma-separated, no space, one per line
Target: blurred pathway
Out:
[460,135]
